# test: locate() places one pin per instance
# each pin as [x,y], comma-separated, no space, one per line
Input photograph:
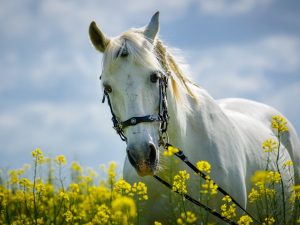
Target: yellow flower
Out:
[245,220]
[226,198]
[14,176]
[111,171]
[125,205]
[102,216]
[74,188]
[262,177]
[38,156]
[296,189]
[269,221]
[203,166]
[122,187]
[179,183]
[209,187]
[188,218]
[60,160]
[253,195]
[170,151]
[76,167]
[157,223]
[68,216]
[63,195]
[288,163]
[270,145]
[140,189]
[279,123]
[40,187]
[25,183]
[228,210]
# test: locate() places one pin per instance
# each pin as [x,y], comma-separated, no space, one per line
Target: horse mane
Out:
[181,80]
[156,56]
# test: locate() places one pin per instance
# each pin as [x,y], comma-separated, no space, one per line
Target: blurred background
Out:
[50,95]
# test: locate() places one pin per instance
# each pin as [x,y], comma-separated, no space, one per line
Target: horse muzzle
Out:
[144,159]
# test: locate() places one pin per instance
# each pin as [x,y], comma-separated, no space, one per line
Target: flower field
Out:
[42,193]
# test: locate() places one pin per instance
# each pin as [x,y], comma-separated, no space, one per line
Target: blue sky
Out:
[50,95]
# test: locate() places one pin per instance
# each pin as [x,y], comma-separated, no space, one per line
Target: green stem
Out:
[183,205]
[33,190]
[281,181]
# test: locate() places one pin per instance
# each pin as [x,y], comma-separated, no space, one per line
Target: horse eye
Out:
[124,53]
[107,88]
[154,77]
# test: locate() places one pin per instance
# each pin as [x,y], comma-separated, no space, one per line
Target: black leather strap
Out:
[198,203]
[140,119]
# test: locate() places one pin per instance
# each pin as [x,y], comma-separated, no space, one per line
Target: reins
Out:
[185,159]
[163,118]
[198,203]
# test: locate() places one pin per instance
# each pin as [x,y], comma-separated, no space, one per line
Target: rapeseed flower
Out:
[111,172]
[38,156]
[102,216]
[261,177]
[244,220]
[74,188]
[209,187]
[187,218]
[122,187]
[270,145]
[64,196]
[228,210]
[253,195]
[68,216]
[76,167]
[170,150]
[288,163]
[203,166]
[125,205]
[269,220]
[279,123]
[179,182]
[60,160]
[140,190]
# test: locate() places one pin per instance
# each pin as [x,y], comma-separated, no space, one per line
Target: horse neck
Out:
[205,123]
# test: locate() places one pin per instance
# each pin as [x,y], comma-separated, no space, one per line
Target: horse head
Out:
[132,81]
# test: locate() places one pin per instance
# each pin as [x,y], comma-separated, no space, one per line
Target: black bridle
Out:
[162,116]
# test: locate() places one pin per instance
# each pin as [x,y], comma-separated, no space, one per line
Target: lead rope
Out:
[185,159]
[198,203]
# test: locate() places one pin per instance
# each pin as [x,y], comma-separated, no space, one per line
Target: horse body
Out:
[227,133]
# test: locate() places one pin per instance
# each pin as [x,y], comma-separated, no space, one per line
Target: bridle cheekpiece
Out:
[162,116]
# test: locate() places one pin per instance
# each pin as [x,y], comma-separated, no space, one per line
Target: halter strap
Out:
[162,115]
[140,119]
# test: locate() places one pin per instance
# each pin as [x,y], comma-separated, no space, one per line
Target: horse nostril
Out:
[152,154]
[131,158]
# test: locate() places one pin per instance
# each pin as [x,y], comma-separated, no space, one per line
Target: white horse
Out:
[228,133]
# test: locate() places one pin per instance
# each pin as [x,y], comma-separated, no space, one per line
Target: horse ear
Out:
[152,28]
[98,39]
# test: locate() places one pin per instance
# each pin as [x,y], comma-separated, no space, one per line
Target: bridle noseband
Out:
[162,116]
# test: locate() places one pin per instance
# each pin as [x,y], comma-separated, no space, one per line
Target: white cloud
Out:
[60,128]
[246,68]
[230,7]
[266,70]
